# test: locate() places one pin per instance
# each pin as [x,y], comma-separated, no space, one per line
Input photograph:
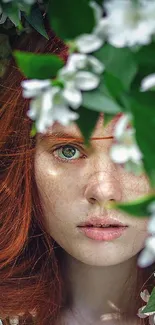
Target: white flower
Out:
[101,29]
[135,25]
[125,151]
[148,83]
[151,225]
[72,96]
[80,80]
[34,87]
[49,107]
[78,61]
[146,296]
[88,43]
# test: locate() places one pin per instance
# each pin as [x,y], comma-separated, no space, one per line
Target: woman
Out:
[51,271]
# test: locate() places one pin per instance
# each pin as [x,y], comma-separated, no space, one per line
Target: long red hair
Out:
[30,268]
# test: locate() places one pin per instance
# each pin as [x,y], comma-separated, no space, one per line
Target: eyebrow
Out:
[65,136]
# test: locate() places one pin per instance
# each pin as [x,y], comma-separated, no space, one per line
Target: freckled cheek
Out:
[57,186]
[141,224]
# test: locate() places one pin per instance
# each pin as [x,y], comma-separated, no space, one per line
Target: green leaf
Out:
[38,66]
[97,101]
[143,111]
[137,208]
[119,63]
[151,303]
[12,11]
[35,19]
[116,90]
[107,118]
[70,18]
[145,56]
[33,130]
[87,122]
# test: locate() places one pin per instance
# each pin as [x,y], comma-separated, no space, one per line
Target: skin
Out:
[73,191]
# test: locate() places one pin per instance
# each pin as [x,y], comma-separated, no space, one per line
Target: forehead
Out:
[73,129]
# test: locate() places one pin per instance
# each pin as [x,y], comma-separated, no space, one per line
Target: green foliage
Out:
[87,122]
[143,111]
[35,19]
[39,66]
[137,208]
[70,18]
[150,307]
[98,101]
[119,62]
[107,118]
[12,11]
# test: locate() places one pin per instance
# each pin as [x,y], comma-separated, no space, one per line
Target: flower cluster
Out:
[147,257]
[146,296]
[125,150]
[135,26]
[56,100]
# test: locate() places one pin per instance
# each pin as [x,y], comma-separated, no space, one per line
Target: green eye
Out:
[68,152]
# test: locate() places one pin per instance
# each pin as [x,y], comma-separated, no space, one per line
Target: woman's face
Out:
[75,184]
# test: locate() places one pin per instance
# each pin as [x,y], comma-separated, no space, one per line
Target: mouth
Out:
[103,230]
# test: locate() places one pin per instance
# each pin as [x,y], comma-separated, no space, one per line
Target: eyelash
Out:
[67,160]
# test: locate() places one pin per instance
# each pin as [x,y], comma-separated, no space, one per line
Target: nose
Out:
[103,187]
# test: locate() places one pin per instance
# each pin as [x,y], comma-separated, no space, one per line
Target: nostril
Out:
[92,200]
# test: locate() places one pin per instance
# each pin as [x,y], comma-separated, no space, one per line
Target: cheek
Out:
[58,189]
[138,233]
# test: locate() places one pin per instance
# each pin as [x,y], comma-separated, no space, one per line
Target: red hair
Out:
[30,268]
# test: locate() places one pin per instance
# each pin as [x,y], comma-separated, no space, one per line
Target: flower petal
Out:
[88,43]
[32,88]
[64,115]
[148,83]
[76,61]
[140,314]
[146,258]
[121,126]
[73,97]
[98,11]
[135,153]
[86,80]
[145,295]
[150,244]
[97,66]
[101,29]
[151,225]
[119,153]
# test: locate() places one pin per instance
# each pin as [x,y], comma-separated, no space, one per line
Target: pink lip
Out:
[103,234]
[93,221]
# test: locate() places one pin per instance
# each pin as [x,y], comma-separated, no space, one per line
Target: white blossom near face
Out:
[75,184]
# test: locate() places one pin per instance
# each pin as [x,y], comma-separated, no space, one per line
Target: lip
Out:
[94,221]
[102,234]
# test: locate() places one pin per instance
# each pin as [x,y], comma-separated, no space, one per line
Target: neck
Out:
[94,291]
